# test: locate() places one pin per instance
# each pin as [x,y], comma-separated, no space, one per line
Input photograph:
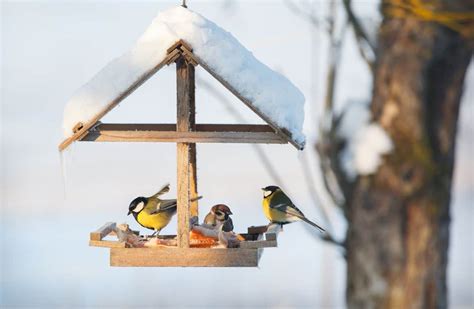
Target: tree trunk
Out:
[398,235]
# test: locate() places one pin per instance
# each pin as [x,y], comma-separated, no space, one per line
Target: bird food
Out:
[129,248]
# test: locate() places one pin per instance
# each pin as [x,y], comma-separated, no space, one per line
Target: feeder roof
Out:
[271,95]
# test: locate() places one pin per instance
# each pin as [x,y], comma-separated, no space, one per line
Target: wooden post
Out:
[186,152]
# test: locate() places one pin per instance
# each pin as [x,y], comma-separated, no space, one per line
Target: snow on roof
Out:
[270,92]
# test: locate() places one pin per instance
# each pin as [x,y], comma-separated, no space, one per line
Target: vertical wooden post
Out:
[186,152]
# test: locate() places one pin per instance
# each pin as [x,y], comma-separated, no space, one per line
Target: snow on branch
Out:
[366,142]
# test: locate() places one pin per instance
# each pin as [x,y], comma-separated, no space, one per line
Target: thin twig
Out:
[361,36]
[307,15]
[325,143]
[311,186]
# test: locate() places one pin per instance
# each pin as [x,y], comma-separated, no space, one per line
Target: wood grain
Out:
[184,137]
[107,243]
[183,257]
[103,231]
[258,244]
[200,127]
[185,123]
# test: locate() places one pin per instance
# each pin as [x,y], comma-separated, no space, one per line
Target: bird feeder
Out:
[186,133]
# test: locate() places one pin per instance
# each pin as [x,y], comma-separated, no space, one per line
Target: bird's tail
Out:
[163,190]
[312,223]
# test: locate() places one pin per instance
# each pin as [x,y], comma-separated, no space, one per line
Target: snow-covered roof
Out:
[271,94]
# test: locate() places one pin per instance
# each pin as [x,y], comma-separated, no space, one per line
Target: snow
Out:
[366,142]
[272,93]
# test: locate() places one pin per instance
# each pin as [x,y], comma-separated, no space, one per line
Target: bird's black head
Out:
[269,190]
[137,205]
[221,211]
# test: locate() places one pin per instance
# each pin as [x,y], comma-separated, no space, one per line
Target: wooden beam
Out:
[204,133]
[194,207]
[183,257]
[185,123]
[184,137]
[107,244]
[271,231]
[201,127]
[258,244]
[84,130]
[103,231]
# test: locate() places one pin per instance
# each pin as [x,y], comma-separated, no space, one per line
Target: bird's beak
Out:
[129,212]
[263,189]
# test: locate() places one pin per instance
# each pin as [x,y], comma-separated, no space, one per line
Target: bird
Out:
[219,214]
[226,236]
[278,208]
[152,212]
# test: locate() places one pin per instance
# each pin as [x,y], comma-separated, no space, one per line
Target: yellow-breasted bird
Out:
[219,214]
[152,212]
[278,208]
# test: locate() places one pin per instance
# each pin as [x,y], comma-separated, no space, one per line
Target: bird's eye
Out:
[218,213]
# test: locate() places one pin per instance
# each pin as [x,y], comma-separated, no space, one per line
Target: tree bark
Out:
[398,235]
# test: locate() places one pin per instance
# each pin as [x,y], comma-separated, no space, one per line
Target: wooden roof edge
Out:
[282,132]
[80,133]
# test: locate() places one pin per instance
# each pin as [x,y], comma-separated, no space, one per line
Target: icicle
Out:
[63,155]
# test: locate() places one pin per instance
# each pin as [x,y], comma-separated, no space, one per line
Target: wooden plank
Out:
[183,257]
[200,127]
[258,244]
[177,45]
[107,244]
[284,133]
[185,122]
[194,207]
[183,161]
[103,231]
[184,137]
[84,130]
[272,232]
[257,229]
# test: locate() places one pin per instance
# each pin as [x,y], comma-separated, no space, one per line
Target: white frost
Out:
[273,94]
[366,142]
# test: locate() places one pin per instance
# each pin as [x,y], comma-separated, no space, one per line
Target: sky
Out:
[50,202]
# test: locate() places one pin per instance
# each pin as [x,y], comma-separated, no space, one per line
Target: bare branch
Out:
[360,34]
[326,142]
[306,14]
[311,186]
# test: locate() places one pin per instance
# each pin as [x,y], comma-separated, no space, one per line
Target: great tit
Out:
[152,212]
[278,208]
[219,214]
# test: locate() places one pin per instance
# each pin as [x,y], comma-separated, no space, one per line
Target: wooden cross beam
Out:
[202,133]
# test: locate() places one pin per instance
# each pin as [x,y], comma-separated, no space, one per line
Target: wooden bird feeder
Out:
[185,133]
